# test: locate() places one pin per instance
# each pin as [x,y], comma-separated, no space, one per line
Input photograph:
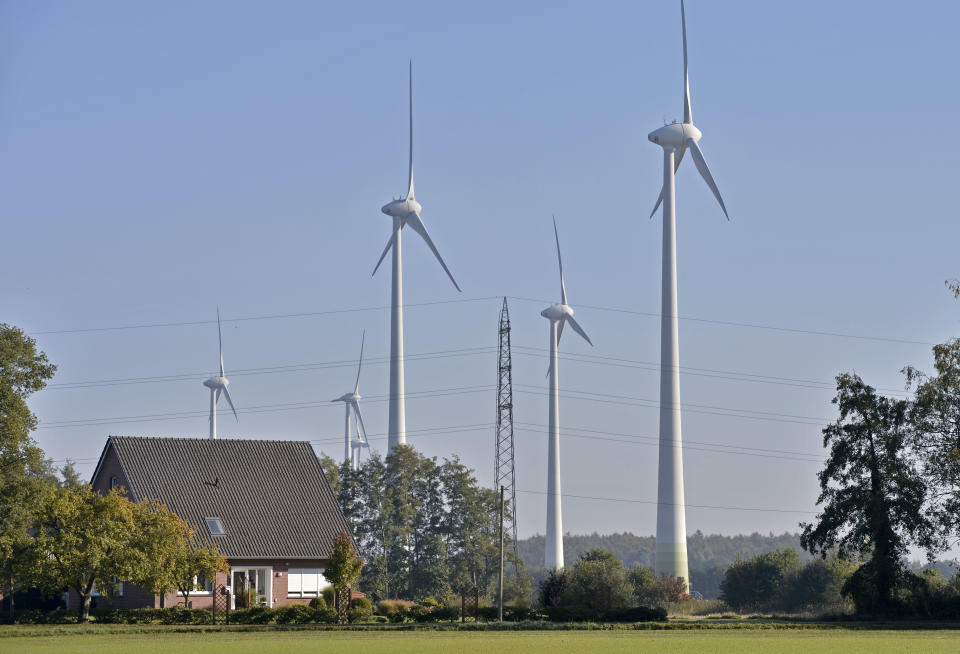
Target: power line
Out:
[689,506]
[276,316]
[296,367]
[731,323]
[650,314]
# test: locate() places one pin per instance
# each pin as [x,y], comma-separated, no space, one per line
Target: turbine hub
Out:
[217,382]
[675,135]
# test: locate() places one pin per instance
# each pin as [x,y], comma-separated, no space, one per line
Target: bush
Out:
[36,616]
[445,613]
[326,616]
[295,614]
[256,615]
[174,615]
[363,604]
[636,614]
[329,595]
[318,603]
[395,610]
[569,614]
[429,601]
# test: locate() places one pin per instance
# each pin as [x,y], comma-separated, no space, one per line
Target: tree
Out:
[599,582]
[24,471]
[650,590]
[83,541]
[758,583]
[871,493]
[343,569]
[935,416]
[553,588]
[169,555]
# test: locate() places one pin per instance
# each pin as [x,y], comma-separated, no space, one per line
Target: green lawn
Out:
[557,642]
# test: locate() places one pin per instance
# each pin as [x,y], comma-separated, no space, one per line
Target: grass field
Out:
[833,641]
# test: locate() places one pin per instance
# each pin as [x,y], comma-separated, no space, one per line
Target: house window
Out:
[305,582]
[201,586]
[114,482]
[215,525]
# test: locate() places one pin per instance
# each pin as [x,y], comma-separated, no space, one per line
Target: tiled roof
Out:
[272,496]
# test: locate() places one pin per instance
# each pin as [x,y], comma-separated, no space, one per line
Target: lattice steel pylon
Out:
[504,470]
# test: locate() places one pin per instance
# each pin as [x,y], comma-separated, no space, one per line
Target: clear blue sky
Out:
[158,159]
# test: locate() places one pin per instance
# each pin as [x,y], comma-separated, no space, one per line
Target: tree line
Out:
[424,528]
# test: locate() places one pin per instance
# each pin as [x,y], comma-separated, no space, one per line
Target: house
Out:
[265,504]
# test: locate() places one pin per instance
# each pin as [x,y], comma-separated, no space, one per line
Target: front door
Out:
[251,587]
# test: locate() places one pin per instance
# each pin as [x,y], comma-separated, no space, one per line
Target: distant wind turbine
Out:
[404,211]
[218,385]
[675,139]
[351,401]
[558,315]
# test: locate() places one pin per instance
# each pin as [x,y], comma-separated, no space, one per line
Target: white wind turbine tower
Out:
[558,315]
[218,385]
[675,139]
[404,211]
[351,401]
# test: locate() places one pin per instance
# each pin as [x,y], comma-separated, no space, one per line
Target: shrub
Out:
[363,604]
[444,613]
[429,601]
[318,603]
[569,614]
[636,614]
[256,615]
[395,610]
[326,616]
[329,595]
[295,614]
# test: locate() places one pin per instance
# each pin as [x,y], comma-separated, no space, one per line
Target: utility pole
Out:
[500,611]
[504,475]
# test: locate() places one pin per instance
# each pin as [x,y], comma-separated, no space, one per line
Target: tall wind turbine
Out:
[351,403]
[404,211]
[675,139]
[218,385]
[558,315]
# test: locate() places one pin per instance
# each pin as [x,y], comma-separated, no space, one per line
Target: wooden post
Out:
[500,603]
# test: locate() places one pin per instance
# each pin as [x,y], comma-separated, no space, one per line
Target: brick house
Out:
[265,504]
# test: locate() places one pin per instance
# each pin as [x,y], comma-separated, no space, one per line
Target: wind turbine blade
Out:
[360,364]
[698,159]
[416,224]
[563,289]
[226,394]
[560,330]
[220,339]
[687,111]
[577,328]
[356,411]
[385,250]
[676,165]
[410,184]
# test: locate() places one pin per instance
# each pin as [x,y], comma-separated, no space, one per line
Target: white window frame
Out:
[300,573]
[198,592]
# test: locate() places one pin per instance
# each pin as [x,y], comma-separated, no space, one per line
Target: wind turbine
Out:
[675,139]
[404,211]
[351,403]
[558,315]
[218,385]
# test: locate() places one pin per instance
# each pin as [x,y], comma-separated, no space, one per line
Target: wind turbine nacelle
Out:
[674,135]
[400,208]
[216,382]
[557,312]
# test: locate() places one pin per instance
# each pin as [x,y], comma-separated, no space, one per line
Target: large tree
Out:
[24,471]
[935,416]
[88,541]
[599,582]
[871,493]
